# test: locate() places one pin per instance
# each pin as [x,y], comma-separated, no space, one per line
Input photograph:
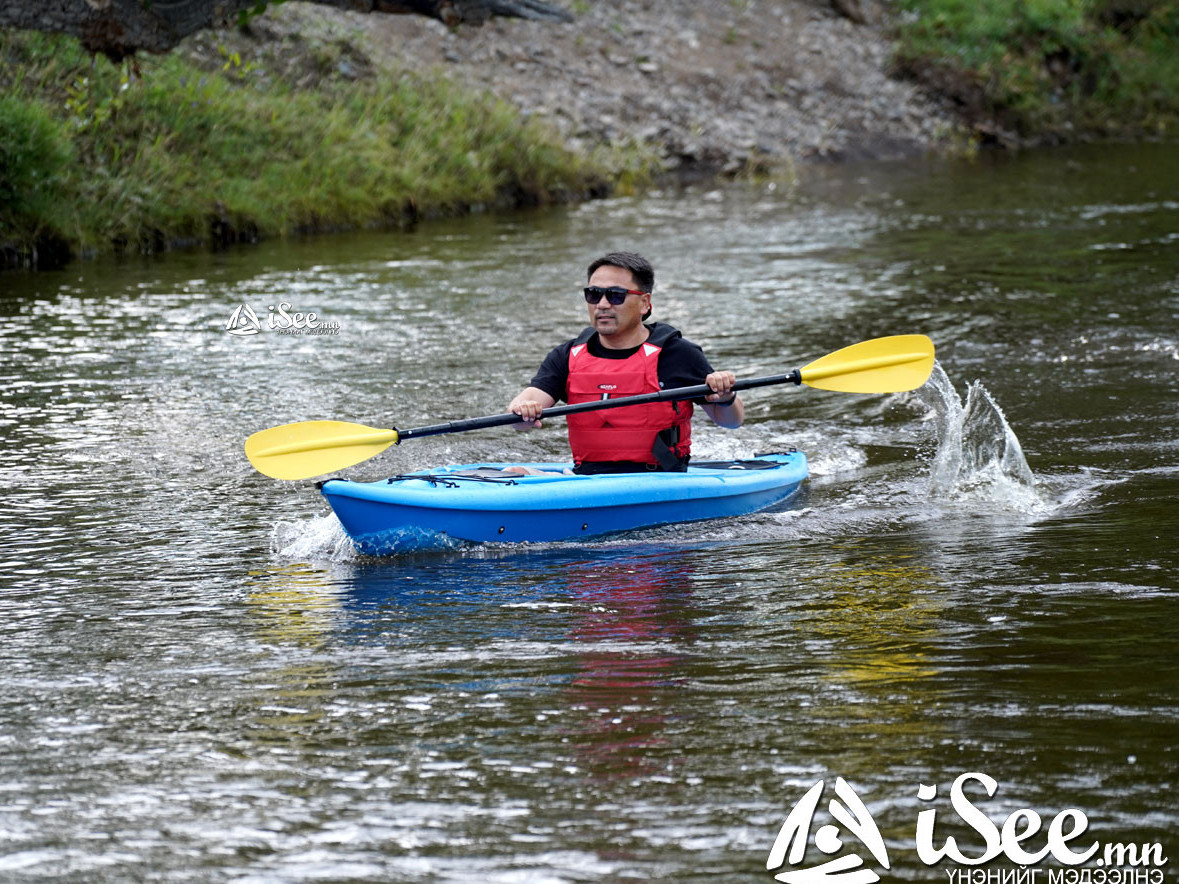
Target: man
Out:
[620,355]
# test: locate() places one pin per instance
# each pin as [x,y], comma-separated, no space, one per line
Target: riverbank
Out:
[314,119]
[710,86]
[193,148]
[1055,71]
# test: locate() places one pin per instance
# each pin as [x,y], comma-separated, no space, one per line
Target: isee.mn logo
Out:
[849,811]
[1023,839]
[244,321]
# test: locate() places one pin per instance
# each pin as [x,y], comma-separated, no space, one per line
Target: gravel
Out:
[710,86]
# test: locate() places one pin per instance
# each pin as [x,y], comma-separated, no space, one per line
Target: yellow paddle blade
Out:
[882,365]
[311,448]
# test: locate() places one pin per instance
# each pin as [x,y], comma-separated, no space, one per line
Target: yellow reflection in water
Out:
[881,612]
[295,605]
[878,619]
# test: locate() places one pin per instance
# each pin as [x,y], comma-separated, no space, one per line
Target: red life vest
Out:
[628,433]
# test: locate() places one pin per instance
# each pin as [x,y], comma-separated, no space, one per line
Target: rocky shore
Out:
[705,86]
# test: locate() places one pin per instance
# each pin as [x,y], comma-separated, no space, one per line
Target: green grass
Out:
[96,158]
[1050,68]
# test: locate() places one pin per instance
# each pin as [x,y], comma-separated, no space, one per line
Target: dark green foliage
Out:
[127,158]
[1045,69]
[35,159]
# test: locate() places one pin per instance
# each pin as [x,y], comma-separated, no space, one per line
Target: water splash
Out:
[319,539]
[978,455]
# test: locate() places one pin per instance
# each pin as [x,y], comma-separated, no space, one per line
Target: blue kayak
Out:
[443,507]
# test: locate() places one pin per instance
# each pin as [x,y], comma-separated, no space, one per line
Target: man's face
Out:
[608,320]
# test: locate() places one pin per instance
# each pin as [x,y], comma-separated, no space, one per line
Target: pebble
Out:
[703,82]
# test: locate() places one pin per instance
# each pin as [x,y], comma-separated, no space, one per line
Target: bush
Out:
[197,147]
[35,155]
[1049,69]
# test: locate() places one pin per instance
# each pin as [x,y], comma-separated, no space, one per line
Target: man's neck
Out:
[627,340]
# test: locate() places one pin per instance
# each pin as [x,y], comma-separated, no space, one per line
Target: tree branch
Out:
[118,28]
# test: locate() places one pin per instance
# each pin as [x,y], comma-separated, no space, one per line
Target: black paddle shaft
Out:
[677,394]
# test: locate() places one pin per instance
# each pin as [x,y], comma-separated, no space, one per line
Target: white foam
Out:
[978,459]
[318,539]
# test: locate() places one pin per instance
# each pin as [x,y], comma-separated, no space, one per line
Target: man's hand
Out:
[723,404]
[529,404]
[721,384]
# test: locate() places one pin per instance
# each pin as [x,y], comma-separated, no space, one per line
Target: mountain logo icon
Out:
[243,321]
[852,817]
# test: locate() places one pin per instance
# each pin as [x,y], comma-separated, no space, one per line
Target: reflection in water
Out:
[882,625]
[295,603]
[625,619]
[632,618]
[293,606]
[450,657]
[880,613]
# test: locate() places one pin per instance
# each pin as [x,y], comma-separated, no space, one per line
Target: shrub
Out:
[35,155]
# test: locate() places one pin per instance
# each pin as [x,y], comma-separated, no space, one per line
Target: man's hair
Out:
[640,268]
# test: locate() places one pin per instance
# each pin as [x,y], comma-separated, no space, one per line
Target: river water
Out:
[201,681]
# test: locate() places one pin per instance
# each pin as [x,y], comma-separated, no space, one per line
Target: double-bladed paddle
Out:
[307,449]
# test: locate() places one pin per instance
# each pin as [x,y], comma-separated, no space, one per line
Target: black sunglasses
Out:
[616,294]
